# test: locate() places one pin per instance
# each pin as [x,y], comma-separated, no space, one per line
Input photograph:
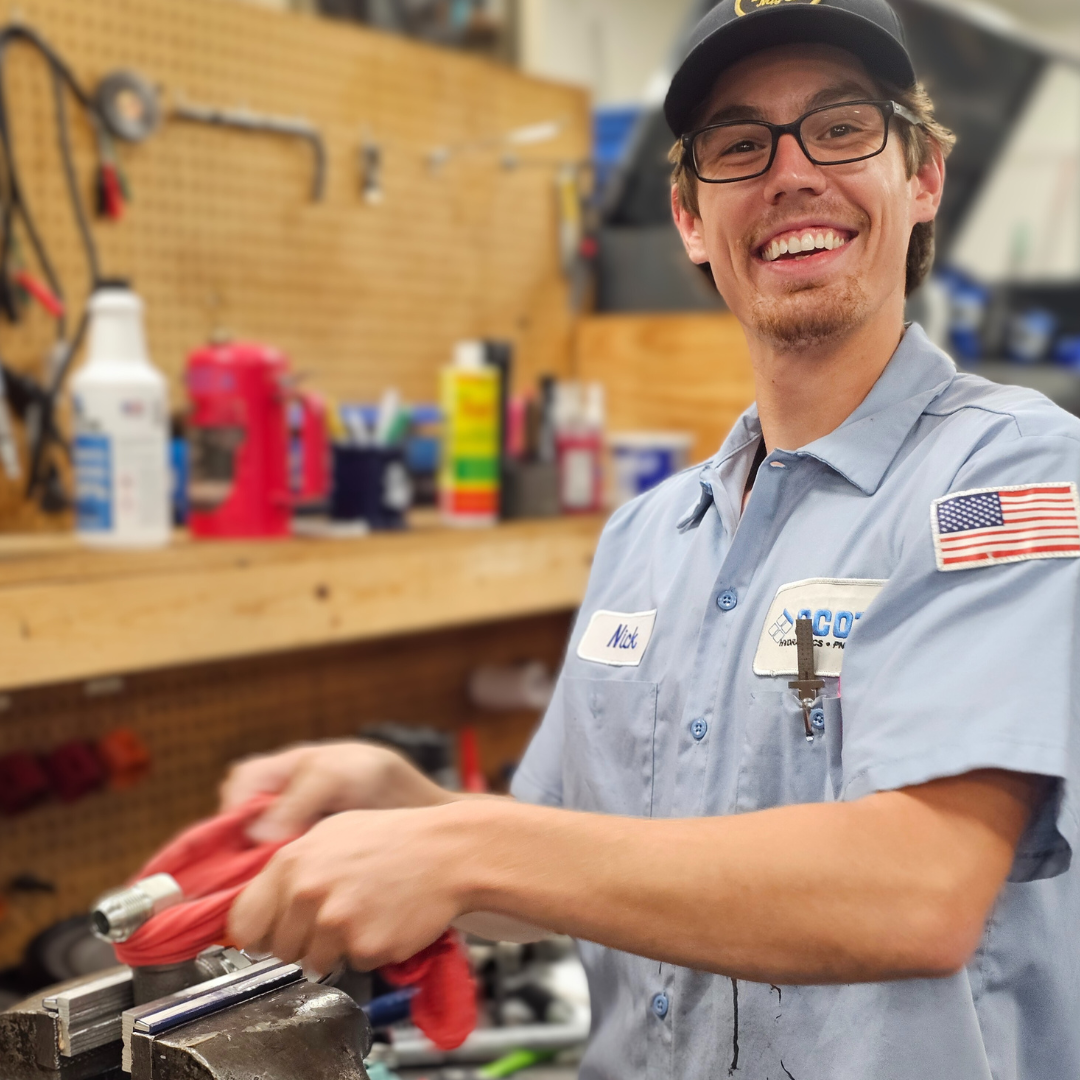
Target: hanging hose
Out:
[214,860]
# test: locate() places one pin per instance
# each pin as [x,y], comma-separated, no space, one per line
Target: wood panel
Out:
[70,614]
[197,720]
[222,235]
[669,372]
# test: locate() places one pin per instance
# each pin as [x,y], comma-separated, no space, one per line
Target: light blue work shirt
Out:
[944,671]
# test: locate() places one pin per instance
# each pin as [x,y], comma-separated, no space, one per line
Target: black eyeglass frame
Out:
[888,110]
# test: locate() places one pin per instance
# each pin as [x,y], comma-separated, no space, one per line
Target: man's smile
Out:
[802,241]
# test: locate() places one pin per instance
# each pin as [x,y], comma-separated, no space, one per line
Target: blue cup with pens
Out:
[370,481]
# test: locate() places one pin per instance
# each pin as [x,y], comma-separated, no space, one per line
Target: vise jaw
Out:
[264,1020]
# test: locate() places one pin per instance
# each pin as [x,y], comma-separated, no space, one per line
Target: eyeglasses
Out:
[832,135]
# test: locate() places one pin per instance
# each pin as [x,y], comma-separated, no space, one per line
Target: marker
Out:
[389,408]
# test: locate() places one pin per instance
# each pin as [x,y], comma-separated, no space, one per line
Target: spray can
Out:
[579,444]
[121,429]
[469,473]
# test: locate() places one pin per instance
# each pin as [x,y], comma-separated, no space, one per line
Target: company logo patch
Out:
[834,607]
[617,638]
[985,526]
[744,7]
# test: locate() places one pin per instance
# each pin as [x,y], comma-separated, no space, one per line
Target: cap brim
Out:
[883,56]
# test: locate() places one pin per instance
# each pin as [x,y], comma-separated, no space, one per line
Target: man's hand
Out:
[374,887]
[315,780]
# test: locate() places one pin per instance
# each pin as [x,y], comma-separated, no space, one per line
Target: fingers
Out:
[265,774]
[278,914]
[327,944]
[310,794]
[255,911]
[292,934]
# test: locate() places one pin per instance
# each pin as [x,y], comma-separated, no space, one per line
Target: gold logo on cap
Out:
[758,5]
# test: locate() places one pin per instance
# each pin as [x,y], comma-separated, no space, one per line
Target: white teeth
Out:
[795,244]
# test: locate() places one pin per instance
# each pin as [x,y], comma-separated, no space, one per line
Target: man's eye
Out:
[743,146]
[841,131]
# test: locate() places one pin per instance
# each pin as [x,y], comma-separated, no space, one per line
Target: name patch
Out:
[834,607]
[617,638]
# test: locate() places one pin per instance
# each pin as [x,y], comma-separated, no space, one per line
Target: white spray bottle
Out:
[121,429]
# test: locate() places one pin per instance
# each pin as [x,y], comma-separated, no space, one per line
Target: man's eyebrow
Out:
[848,90]
[734,112]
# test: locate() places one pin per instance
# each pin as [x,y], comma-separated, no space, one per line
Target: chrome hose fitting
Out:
[117,915]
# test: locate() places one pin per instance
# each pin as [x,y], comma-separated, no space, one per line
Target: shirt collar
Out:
[863,447]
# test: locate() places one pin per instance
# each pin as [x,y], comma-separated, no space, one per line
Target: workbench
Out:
[69,613]
[210,651]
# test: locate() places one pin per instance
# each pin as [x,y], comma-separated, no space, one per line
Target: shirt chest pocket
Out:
[608,753]
[777,765]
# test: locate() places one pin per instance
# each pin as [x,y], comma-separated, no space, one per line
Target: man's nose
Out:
[792,171]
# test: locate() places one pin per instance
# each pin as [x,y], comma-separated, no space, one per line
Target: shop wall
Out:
[223,236]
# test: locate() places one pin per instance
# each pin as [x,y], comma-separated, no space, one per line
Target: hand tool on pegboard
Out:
[246,120]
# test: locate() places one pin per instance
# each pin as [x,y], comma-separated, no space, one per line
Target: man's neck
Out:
[802,396]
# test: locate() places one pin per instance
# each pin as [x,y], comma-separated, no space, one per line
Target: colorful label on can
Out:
[469,478]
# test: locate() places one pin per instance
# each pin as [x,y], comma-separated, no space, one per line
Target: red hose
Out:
[213,861]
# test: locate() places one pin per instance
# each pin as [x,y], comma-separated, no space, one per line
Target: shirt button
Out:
[660,1005]
[698,729]
[727,599]
[817,719]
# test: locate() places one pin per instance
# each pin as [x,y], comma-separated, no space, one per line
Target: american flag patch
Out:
[1008,524]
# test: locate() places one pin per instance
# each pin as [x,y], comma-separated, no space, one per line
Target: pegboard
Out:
[222,234]
[198,720]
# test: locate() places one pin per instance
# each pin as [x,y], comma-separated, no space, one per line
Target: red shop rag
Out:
[212,862]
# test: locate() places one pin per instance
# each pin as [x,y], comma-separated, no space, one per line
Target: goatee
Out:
[811,317]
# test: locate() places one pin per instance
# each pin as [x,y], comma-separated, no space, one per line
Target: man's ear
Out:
[689,226]
[929,182]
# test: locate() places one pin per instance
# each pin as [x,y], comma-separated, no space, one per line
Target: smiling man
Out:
[769,878]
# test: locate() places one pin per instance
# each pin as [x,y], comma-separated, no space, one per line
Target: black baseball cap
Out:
[736,28]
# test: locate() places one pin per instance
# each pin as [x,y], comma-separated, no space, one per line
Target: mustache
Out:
[840,214]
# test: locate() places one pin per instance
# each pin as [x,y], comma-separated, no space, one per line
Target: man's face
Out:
[859,217]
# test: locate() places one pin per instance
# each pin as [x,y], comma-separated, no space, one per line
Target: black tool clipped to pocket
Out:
[807,685]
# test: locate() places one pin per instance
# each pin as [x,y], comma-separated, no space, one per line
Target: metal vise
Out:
[223,1016]
[264,1020]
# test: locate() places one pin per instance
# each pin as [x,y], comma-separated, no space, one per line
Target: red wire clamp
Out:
[40,292]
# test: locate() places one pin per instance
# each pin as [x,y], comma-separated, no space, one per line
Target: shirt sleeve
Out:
[952,671]
[538,779]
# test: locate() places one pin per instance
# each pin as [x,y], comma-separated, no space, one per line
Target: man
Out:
[871,884]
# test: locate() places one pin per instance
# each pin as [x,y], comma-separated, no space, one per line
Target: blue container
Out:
[1030,335]
[1067,351]
[642,459]
[612,128]
[370,483]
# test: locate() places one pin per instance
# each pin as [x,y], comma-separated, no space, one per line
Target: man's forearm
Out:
[896,885]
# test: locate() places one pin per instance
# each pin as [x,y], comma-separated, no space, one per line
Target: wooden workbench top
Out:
[69,613]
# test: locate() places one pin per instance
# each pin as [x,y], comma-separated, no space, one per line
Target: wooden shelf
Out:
[67,613]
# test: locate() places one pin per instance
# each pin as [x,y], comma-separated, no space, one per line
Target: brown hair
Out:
[918,142]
